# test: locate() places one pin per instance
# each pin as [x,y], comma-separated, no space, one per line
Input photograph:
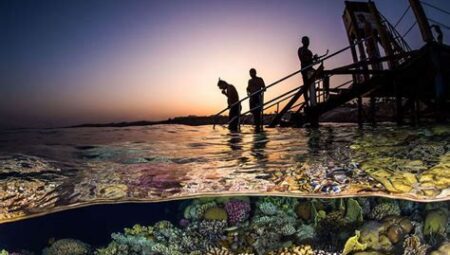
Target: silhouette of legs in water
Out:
[233,102]
[256,84]
[234,118]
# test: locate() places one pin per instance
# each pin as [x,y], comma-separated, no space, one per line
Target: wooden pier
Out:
[384,68]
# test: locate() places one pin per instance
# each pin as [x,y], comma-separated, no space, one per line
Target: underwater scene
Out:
[174,189]
[249,225]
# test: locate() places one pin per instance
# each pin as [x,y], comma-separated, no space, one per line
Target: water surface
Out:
[53,169]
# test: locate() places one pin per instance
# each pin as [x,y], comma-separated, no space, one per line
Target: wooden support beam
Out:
[360,112]
[355,71]
[378,60]
[372,111]
[326,87]
[286,108]
[382,32]
[422,20]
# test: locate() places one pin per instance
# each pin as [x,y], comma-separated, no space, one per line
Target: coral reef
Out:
[67,247]
[280,225]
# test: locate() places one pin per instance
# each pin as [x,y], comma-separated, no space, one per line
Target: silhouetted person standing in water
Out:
[306,59]
[256,101]
[235,110]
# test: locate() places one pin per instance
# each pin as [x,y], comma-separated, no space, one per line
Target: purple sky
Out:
[70,62]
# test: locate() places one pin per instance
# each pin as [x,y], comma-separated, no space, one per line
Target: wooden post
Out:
[398,104]
[360,112]
[326,87]
[422,20]
[372,107]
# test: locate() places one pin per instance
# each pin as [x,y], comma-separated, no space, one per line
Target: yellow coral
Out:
[216,213]
[294,250]
[353,244]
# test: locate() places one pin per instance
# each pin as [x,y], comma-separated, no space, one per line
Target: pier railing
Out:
[291,92]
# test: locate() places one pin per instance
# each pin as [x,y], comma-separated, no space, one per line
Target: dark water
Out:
[93,224]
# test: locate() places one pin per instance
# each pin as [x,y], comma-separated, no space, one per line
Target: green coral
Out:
[305,232]
[436,222]
[67,247]
[354,212]
[287,230]
[138,230]
[285,204]
[267,208]
[4,252]
[126,244]
[164,231]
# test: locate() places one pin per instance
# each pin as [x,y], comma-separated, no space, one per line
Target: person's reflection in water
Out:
[236,146]
[313,140]
[235,141]
[259,147]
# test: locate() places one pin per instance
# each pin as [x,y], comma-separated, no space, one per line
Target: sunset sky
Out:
[71,62]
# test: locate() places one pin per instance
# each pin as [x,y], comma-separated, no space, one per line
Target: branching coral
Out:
[413,246]
[238,211]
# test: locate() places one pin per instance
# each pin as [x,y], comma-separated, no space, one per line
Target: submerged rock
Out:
[444,249]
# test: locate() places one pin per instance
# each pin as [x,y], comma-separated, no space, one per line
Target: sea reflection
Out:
[258,147]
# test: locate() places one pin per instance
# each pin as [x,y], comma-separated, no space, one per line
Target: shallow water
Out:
[48,170]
